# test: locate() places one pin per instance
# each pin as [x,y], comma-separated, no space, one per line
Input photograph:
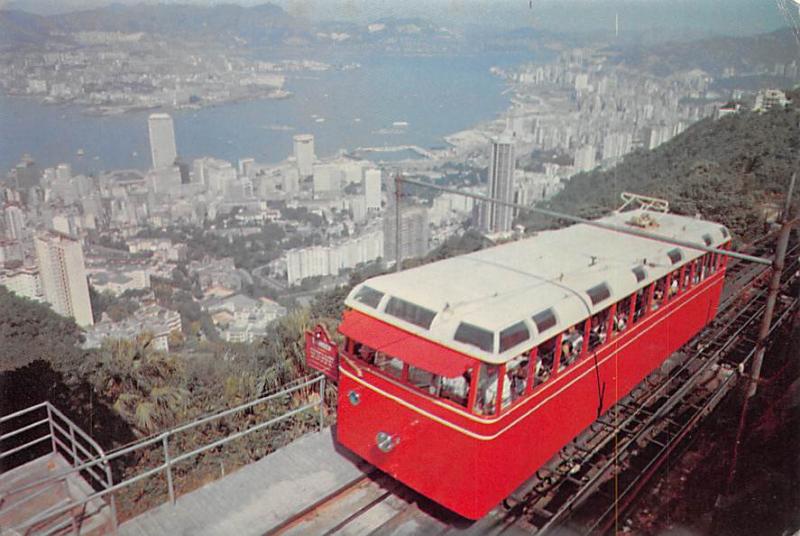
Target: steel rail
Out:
[711,402]
[573,502]
[681,393]
[642,403]
[593,223]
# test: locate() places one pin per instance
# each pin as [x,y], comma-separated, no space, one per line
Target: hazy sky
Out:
[676,16]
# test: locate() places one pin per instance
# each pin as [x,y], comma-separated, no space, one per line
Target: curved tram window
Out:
[368,296]
[411,313]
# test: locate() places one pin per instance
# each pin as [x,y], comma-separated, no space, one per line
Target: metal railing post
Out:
[52,428]
[170,487]
[321,403]
[112,502]
[72,444]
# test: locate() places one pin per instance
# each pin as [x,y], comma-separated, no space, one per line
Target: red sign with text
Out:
[322,354]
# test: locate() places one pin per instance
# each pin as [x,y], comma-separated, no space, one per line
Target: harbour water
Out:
[368,106]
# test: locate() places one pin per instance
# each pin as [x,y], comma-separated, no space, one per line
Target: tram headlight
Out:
[353,397]
[386,442]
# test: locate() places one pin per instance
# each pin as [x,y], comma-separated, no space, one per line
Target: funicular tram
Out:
[462,377]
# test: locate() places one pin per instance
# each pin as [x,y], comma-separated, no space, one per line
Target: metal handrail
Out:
[163,438]
[56,421]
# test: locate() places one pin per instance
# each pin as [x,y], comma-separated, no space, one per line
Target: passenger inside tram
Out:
[641,304]
[597,333]
[571,346]
[364,352]
[658,295]
[390,365]
[487,390]
[455,389]
[544,361]
[621,315]
[517,371]
[673,286]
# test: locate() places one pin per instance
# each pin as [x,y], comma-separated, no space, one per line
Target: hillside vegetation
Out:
[725,170]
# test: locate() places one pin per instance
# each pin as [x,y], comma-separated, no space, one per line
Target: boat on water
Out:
[80,152]
[400,124]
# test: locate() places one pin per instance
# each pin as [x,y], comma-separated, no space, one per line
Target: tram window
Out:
[712,263]
[620,323]
[544,363]
[513,335]
[673,285]
[414,314]
[456,389]
[544,320]
[486,401]
[660,293]
[368,296]
[597,332]
[571,346]
[641,304]
[675,255]
[599,293]
[364,352]
[388,364]
[640,273]
[692,273]
[422,379]
[469,334]
[517,372]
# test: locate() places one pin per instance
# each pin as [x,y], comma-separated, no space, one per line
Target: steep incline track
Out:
[598,474]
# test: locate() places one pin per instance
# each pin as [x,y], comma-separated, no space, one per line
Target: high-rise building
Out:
[14,222]
[372,189]
[27,174]
[162,140]
[63,172]
[414,233]
[247,167]
[497,218]
[63,276]
[304,153]
[585,158]
[327,181]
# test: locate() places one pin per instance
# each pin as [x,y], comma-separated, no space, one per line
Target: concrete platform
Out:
[259,497]
[17,507]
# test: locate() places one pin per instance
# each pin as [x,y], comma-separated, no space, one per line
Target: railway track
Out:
[599,474]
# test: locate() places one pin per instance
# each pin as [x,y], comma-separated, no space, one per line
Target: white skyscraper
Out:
[327,181]
[372,189]
[497,218]
[585,158]
[14,222]
[414,233]
[162,140]
[63,276]
[304,153]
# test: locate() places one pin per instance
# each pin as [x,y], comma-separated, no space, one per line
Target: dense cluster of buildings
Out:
[114,72]
[61,232]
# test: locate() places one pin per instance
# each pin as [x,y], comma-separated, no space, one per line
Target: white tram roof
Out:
[475,297]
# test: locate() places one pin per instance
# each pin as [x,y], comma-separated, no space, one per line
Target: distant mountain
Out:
[723,169]
[257,26]
[18,28]
[714,54]
[261,24]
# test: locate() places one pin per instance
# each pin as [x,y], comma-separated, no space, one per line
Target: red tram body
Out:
[570,320]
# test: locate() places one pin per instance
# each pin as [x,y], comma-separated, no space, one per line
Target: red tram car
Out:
[462,377]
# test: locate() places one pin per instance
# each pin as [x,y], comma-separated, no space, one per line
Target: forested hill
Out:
[724,170]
